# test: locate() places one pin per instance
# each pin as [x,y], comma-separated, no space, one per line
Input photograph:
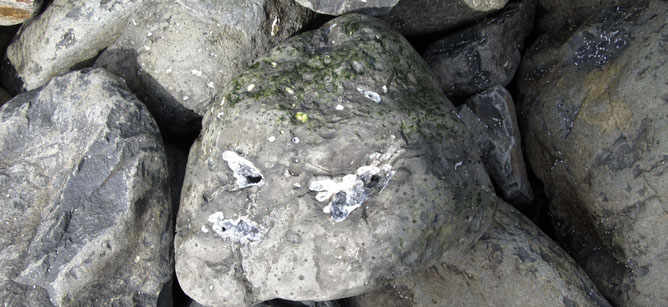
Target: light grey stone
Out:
[491,118]
[364,173]
[339,7]
[85,216]
[484,55]
[216,39]
[513,264]
[17,11]
[63,37]
[593,113]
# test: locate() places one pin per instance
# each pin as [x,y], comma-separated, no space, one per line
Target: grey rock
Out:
[17,11]
[85,218]
[63,37]
[513,264]
[482,56]
[339,7]
[491,118]
[284,303]
[361,172]
[559,13]
[216,39]
[413,17]
[593,113]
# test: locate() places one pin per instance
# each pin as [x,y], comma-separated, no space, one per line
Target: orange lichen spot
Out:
[14,13]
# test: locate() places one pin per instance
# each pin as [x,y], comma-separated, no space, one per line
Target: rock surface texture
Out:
[482,56]
[513,264]
[216,40]
[85,202]
[594,119]
[559,13]
[63,37]
[17,11]
[331,165]
[491,118]
[414,17]
[339,7]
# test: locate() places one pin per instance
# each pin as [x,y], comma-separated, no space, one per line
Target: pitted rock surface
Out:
[348,114]
[593,113]
[513,264]
[86,214]
[216,40]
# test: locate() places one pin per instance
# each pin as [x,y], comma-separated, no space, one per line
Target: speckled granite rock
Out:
[593,112]
[85,217]
[63,37]
[331,165]
[216,39]
[17,11]
[513,264]
[491,118]
[413,17]
[484,55]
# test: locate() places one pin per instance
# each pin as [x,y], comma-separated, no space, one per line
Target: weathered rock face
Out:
[331,165]
[17,11]
[482,56]
[413,17]
[594,117]
[491,118]
[223,37]
[513,264]
[85,203]
[339,7]
[63,37]
[558,13]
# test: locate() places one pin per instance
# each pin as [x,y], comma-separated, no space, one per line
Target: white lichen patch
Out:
[370,95]
[274,26]
[245,173]
[352,191]
[242,230]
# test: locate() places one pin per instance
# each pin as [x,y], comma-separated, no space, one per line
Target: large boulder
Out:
[593,112]
[414,17]
[556,14]
[85,214]
[65,36]
[482,56]
[513,264]
[491,118]
[17,11]
[330,165]
[215,39]
[339,7]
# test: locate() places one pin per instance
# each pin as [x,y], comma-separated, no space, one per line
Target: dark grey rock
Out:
[17,11]
[4,96]
[63,37]
[216,40]
[513,264]
[413,17]
[482,56]
[360,172]
[491,118]
[559,13]
[339,7]
[593,113]
[86,214]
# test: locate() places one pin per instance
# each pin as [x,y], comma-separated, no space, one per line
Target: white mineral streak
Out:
[369,94]
[245,173]
[241,230]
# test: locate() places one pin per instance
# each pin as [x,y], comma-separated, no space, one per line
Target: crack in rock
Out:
[245,173]
[352,191]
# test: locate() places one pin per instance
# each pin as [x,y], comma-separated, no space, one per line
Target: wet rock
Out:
[484,55]
[330,165]
[63,37]
[17,11]
[513,264]
[339,7]
[414,17]
[593,112]
[85,218]
[491,118]
[180,84]
[559,13]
